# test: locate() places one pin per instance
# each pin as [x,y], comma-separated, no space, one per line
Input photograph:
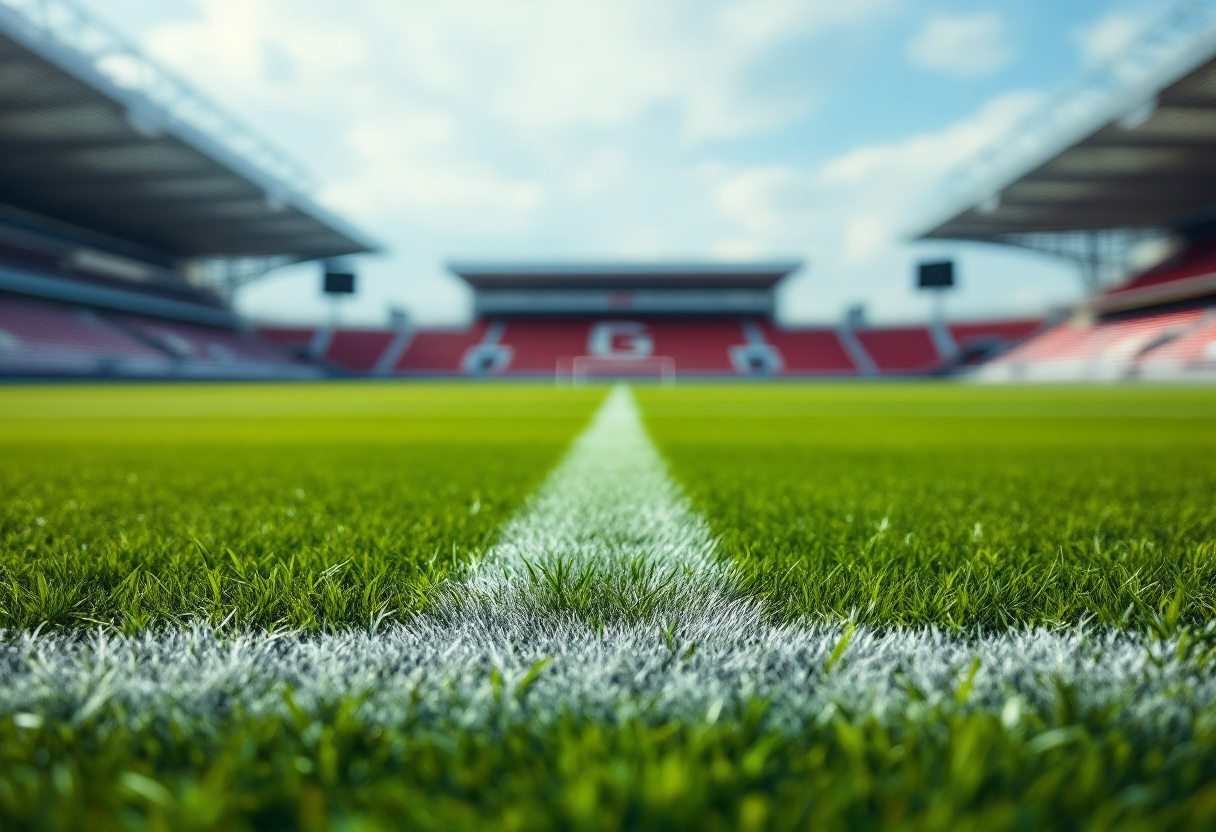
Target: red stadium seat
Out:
[1096,350]
[536,345]
[357,350]
[698,346]
[293,337]
[206,345]
[439,351]
[811,351]
[901,349]
[1010,332]
[36,336]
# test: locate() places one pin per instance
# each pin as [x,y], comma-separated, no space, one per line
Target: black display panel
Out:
[936,275]
[339,283]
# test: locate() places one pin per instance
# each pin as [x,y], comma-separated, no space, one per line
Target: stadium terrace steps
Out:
[901,350]
[1152,344]
[204,344]
[439,351]
[809,350]
[45,337]
[357,350]
[713,347]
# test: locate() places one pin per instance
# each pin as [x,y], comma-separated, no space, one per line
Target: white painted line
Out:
[469,674]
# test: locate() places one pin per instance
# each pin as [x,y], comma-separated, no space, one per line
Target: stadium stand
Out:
[1094,350]
[357,350]
[699,347]
[536,345]
[901,350]
[199,350]
[439,352]
[1120,156]
[39,338]
[715,347]
[119,195]
[810,351]
[1190,353]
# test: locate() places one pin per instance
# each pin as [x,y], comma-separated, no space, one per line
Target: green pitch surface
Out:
[278,506]
[956,506]
[129,514]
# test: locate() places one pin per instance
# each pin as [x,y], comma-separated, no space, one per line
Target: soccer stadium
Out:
[629,546]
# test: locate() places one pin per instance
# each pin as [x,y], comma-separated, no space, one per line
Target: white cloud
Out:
[962,45]
[868,196]
[1110,34]
[596,128]
[851,214]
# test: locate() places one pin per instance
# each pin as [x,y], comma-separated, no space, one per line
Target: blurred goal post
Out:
[580,369]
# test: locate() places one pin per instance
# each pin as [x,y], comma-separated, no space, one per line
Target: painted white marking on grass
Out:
[432,674]
[608,502]
[609,534]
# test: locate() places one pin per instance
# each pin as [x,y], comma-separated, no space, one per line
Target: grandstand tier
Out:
[719,347]
[130,208]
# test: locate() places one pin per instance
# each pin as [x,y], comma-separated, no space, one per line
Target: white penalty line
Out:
[604,599]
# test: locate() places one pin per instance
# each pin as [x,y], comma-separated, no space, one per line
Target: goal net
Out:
[583,368]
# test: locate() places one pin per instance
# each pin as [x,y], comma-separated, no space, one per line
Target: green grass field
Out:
[956,506]
[343,511]
[288,506]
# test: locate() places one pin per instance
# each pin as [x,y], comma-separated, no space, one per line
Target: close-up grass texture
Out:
[956,506]
[280,507]
[441,606]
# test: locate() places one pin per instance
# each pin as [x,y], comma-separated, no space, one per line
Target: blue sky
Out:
[639,129]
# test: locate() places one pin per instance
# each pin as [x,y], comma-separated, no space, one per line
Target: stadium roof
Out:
[1132,146]
[624,276]
[94,134]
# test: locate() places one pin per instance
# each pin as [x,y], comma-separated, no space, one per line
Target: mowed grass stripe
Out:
[958,522]
[300,520]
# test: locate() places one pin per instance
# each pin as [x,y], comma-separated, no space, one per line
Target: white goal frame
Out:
[578,370]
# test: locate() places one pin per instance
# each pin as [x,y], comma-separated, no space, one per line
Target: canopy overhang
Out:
[1131,147]
[80,148]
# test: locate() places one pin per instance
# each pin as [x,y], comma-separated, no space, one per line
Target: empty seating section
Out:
[439,351]
[698,346]
[48,337]
[1098,350]
[1007,332]
[293,338]
[537,345]
[204,344]
[1193,348]
[809,350]
[38,336]
[45,337]
[900,350]
[357,350]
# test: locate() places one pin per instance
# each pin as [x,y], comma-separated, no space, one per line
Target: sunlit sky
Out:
[639,130]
